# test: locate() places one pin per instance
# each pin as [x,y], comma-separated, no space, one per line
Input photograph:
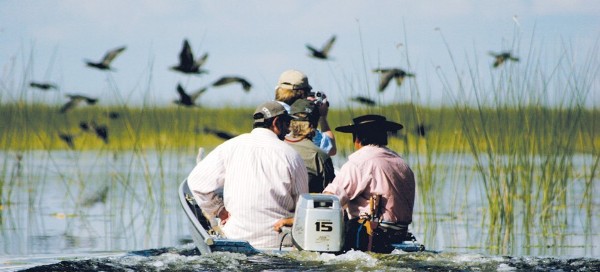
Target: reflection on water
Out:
[60,203]
[66,202]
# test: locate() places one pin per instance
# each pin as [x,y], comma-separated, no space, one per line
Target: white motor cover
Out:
[318,223]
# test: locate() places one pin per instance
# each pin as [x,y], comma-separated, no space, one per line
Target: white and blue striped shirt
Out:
[261,177]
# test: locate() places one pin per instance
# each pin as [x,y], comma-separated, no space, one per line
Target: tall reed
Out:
[523,146]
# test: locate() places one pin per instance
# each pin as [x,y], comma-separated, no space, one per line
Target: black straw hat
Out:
[370,122]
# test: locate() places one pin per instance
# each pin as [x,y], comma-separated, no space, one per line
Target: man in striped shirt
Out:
[261,177]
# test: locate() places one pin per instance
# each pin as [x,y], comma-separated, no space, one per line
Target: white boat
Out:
[320,210]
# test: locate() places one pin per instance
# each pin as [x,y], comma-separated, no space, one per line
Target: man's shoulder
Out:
[380,158]
[295,150]
[321,153]
[373,154]
[309,147]
[236,140]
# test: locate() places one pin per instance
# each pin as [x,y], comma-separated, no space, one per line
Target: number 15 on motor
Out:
[324,226]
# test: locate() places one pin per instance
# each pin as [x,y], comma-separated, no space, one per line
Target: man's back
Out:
[378,170]
[263,178]
[318,163]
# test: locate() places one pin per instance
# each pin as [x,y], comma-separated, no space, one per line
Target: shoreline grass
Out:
[36,127]
[522,149]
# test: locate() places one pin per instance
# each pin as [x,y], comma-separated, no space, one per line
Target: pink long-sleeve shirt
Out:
[376,170]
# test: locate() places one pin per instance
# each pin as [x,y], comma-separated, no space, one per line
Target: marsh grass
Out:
[522,148]
[523,156]
[38,126]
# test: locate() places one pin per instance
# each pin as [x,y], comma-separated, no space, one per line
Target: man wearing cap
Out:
[293,85]
[261,178]
[376,186]
[302,130]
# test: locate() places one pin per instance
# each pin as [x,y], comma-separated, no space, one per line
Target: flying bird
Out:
[75,99]
[233,79]
[114,115]
[85,126]
[187,63]
[502,57]
[363,100]
[421,129]
[388,74]
[323,53]
[108,58]
[399,134]
[188,100]
[43,85]
[68,139]
[219,133]
[100,130]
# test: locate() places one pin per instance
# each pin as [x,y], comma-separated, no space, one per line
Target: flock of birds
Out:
[100,130]
[188,64]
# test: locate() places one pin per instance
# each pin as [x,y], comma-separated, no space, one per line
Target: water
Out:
[100,210]
[188,259]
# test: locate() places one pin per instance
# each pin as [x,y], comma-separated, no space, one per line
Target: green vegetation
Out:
[526,130]
[37,127]
[521,149]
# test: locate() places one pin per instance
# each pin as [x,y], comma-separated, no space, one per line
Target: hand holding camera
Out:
[320,99]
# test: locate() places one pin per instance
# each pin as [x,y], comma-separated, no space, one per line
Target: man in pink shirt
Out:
[376,187]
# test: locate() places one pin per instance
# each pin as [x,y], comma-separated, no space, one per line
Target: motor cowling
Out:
[318,223]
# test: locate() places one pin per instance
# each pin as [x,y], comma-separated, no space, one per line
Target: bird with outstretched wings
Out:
[45,86]
[68,138]
[502,57]
[219,133]
[76,99]
[233,79]
[388,74]
[187,64]
[364,100]
[322,53]
[104,64]
[188,100]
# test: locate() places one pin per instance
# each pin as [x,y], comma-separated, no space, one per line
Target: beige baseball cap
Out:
[293,80]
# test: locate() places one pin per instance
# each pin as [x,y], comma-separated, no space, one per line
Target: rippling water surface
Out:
[188,259]
[92,211]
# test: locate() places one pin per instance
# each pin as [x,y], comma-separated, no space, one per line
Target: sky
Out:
[258,40]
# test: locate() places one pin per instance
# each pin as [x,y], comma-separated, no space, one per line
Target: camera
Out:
[319,97]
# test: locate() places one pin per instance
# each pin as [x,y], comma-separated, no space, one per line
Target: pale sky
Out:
[49,40]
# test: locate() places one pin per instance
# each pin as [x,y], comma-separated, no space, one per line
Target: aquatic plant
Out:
[524,147]
[499,138]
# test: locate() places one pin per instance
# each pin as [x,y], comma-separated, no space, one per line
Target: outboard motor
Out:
[318,223]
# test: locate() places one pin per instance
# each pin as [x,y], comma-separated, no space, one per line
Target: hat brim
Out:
[306,88]
[288,116]
[378,126]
